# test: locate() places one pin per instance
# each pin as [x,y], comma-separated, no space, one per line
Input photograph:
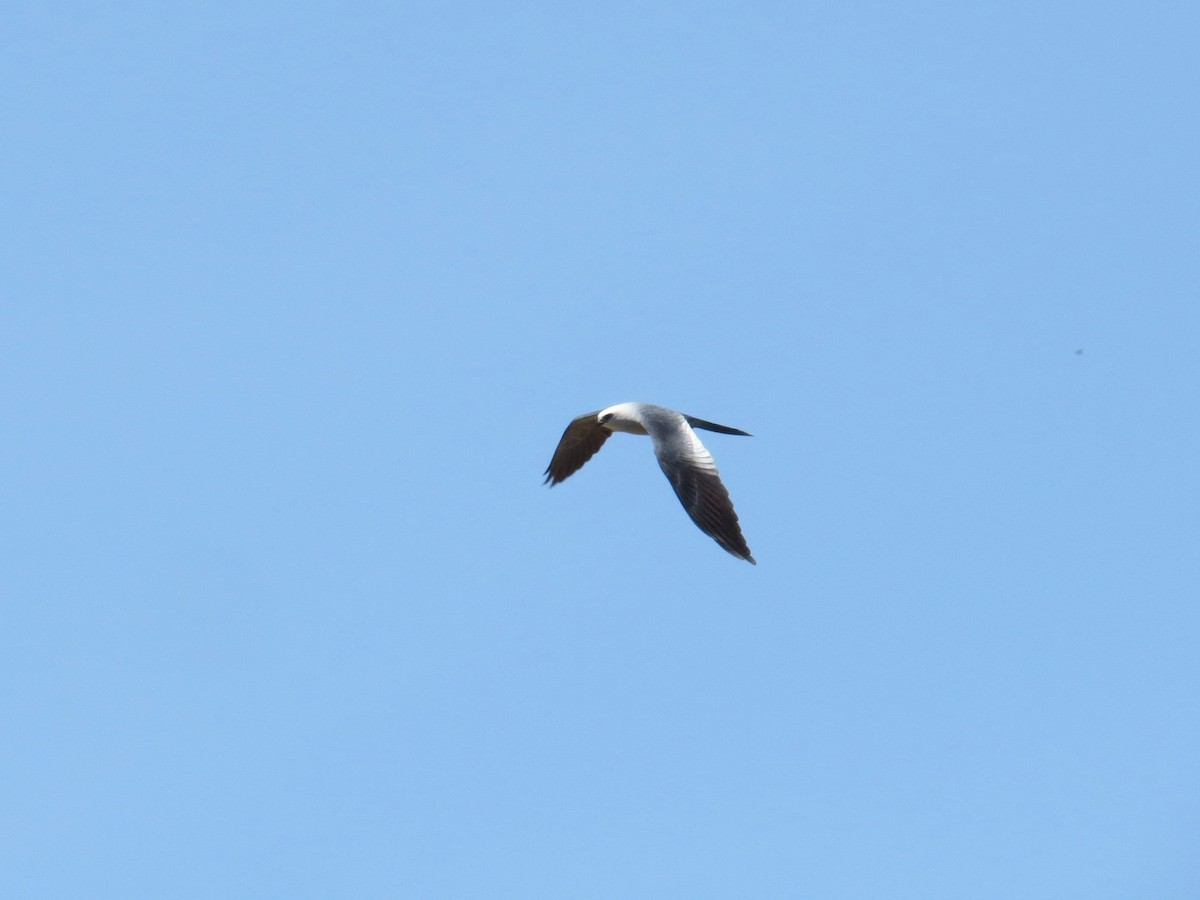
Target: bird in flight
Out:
[684,460]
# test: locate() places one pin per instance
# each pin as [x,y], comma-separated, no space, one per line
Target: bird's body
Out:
[684,460]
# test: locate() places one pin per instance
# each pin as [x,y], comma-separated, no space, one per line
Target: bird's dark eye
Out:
[606,417]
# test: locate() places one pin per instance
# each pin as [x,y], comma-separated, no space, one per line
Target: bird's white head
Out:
[622,417]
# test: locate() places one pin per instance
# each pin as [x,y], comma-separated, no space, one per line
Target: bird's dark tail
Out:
[711,426]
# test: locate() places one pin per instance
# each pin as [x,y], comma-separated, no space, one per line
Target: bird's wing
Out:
[579,443]
[693,474]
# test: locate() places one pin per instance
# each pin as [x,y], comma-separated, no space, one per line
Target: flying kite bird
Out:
[684,460]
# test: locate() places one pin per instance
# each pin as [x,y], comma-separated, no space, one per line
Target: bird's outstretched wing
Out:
[579,443]
[693,474]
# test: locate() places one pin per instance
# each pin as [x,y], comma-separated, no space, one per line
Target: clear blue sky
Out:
[297,299]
